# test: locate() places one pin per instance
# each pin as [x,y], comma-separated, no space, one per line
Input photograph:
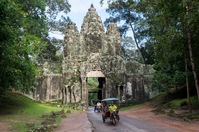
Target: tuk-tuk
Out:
[106,112]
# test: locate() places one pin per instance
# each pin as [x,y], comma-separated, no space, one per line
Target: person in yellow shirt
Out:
[112,108]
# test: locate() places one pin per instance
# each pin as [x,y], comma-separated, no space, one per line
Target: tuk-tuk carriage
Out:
[106,112]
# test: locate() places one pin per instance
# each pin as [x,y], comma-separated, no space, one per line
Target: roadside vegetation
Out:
[174,107]
[172,104]
[21,113]
[177,108]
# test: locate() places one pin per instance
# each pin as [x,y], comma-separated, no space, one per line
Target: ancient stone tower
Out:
[94,52]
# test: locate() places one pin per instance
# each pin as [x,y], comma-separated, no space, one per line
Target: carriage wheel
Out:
[118,117]
[103,118]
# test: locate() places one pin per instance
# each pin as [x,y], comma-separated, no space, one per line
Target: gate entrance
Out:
[95,86]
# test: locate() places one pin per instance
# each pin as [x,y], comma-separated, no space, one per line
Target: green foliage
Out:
[129,51]
[132,67]
[92,97]
[17,110]
[127,13]
[116,80]
[183,103]
[54,7]
[92,82]
[23,37]
[18,46]
[55,23]
[168,28]
[148,53]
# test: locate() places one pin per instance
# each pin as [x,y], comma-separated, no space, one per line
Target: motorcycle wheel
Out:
[114,121]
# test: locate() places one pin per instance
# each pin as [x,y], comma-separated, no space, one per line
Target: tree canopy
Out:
[24,29]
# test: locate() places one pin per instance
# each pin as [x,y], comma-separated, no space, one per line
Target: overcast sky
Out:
[79,8]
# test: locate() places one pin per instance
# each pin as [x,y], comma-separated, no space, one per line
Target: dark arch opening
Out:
[101,81]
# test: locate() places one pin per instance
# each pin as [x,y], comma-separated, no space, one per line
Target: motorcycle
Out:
[98,109]
[114,118]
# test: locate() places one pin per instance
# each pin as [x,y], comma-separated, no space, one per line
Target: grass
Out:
[16,110]
[131,107]
[183,103]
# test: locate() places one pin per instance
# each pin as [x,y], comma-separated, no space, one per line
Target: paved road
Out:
[126,124]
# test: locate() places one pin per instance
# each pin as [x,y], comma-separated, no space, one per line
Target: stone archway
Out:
[101,87]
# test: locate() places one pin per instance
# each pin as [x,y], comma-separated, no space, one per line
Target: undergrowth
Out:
[16,110]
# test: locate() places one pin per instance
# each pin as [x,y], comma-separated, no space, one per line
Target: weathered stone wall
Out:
[49,88]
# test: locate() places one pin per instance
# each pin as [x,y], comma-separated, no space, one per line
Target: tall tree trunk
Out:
[190,47]
[136,42]
[187,83]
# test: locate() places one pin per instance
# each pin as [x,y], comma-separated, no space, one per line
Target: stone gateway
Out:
[94,52]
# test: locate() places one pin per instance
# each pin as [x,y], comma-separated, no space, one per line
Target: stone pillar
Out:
[64,94]
[83,88]
[124,93]
[84,91]
[118,93]
[104,91]
[108,86]
[48,88]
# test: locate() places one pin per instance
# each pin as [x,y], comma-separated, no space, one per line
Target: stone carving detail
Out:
[92,31]
[114,38]
[71,40]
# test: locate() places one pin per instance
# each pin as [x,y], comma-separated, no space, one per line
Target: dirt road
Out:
[140,119]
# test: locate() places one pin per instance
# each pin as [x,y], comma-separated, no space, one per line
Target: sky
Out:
[79,8]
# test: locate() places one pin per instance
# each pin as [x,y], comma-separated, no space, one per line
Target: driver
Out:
[112,108]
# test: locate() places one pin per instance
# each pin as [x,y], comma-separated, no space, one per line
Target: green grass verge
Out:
[183,103]
[130,107]
[16,110]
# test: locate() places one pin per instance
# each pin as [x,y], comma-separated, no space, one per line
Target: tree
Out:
[19,43]
[129,51]
[126,12]
[56,21]
[173,35]
[189,5]
[23,35]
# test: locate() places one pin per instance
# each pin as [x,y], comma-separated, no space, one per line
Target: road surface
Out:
[126,124]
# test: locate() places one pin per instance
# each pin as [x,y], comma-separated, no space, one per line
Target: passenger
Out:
[104,107]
